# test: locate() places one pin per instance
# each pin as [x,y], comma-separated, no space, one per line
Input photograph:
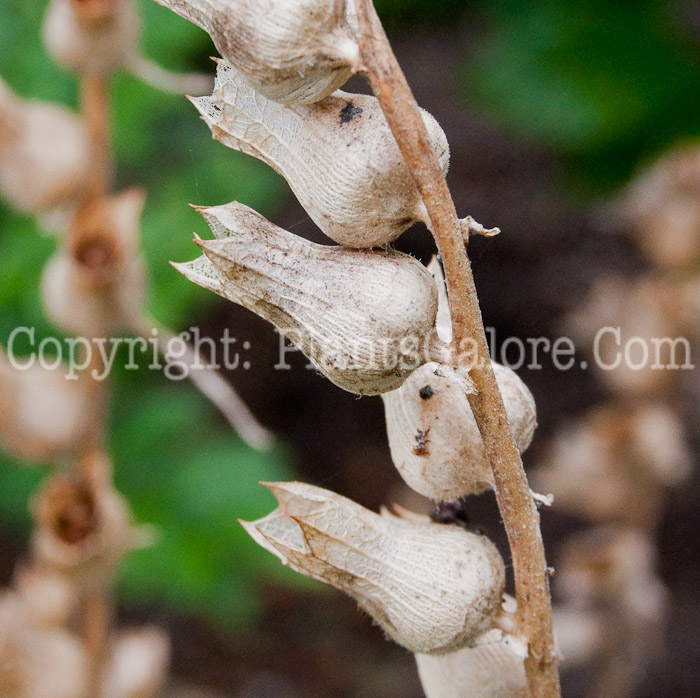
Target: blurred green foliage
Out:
[603,84]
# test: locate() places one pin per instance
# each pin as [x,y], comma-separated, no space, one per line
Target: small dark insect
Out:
[349,112]
[421,447]
[426,392]
[454,513]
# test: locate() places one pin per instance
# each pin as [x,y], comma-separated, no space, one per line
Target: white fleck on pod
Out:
[431,587]
[493,668]
[364,318]
[434,440]
[82,529]
[96,287]
[92,36]
[44,154]
[43,415]
[338,156]
[291,51]
[138,665]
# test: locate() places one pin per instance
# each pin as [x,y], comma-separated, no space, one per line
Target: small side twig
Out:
[520,517]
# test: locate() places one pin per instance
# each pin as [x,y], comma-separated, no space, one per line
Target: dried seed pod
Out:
[48,597]
[138,665]
[291,52]
[637,331]
[43,416]
[83,529]
[364,318]
[96,287]
[434,440]
[662,207]
[493,668]
[44,154]
[92,36]
[615,464]
[431,587]
[338,156]
[36,662]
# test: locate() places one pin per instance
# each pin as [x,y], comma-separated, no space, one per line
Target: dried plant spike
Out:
[431,587]
[290,51]
[449,460]
[95,288]
[92,36]
[43,416]
[44,154]
[364,318]
[138,665]
[82,529]
[338,156]
[493,668]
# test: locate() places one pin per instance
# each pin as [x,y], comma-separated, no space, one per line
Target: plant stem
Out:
[94,99]
[520,516]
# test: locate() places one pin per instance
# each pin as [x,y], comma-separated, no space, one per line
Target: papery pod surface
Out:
[338,156]
[431,587]
[364,318]
[291,51]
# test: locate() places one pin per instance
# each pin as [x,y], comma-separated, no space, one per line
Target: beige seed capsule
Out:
[82,529]
[493,668]
[364,318]
[95,288]
[92,36]
[44,154]
[434,440]
[338,156]
[431,587]
[293,52]
[43,416]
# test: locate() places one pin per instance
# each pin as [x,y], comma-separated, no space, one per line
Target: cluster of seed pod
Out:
[616,465]
[373,321]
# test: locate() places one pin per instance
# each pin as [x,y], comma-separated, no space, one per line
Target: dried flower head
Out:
[95,288]
[44,154]
[82,529]
[291,52]
[616,462]
[338,156]
[364,318]
[431,587]
[43,416]
[434,440]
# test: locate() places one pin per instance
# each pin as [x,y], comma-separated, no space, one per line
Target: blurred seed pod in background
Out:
[44,155]
[43,415]
[431,587]
[338,156]
[292,52]
[37,662]
[82,529]
[365,319]
[92,36]
[138,664]
[95,285]
[616,463]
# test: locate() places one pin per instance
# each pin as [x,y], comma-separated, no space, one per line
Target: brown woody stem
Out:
[94,98]
[520,516]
